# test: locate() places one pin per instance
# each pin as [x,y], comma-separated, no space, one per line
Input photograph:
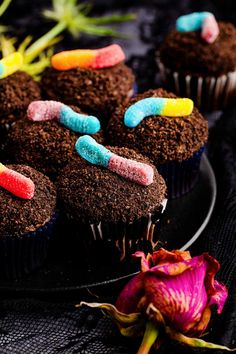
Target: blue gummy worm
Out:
[1,69]
[143,108]
[79,123]
[90,150]
[191,22]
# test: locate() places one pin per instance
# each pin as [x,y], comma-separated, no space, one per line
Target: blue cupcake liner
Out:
[21,255]
[181,177]
[110,243]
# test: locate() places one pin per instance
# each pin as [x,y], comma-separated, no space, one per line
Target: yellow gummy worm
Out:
[10,64]
[177,107]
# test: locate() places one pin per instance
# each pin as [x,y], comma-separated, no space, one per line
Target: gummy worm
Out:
[10,64]
[199,20]
[170,107]
[97,154]
[16,183]
[49,110]
[88,58]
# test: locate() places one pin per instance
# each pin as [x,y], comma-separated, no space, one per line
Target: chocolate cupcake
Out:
[107,211]
[96,89]
[200,61]
[27,214]
[47,146]
[173,143]
[16,93]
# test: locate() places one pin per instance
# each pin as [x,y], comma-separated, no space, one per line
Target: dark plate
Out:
[184,220]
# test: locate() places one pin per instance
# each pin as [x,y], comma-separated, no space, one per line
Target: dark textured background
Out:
[52,325]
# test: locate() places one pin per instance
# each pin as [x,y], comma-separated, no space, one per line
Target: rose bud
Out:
[172,294]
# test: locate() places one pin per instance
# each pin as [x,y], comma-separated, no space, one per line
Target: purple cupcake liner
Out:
[109,243]
[181,177]
[19,256]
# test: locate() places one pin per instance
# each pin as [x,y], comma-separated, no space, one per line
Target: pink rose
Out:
[172,294]
[180,287]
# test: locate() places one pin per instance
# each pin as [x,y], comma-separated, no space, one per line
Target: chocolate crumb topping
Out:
[95,91]
[46,146]
[92,193]
[19,216]
[16,93]
[188,53]
[160,138]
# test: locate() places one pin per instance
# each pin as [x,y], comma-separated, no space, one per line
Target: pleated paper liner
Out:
[21,255]
[209,93]
[109,244]
[181,177]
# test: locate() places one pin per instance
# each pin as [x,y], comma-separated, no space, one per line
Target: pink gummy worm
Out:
[138,172]
[108,56]
[210,29]
[17,184]
[44,110]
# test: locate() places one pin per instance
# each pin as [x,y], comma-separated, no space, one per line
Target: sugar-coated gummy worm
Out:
[170,107]
[16,183]
[49,110]
[204,21]
[210,29]
[97,154]
[88,58]
[10,64]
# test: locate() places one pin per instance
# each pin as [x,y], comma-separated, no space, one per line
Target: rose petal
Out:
[180,299]
[216,292]
[173,269]
[200,327]
[145,260]
[130,296]
[219,297]
[163,256]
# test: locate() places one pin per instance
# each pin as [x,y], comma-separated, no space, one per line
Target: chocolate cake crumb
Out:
[188,53]
[46,146]
[16,93]
[19,216]
[95,91]
[92,193]
[160,138]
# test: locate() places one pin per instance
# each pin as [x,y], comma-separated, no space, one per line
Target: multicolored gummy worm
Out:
[16,183]
[170,107]
[199,20]
[97,154]
[88,58]
[10,64]
[48,110]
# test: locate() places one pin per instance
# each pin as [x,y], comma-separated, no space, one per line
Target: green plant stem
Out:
[4,6]
[41,43]
[149,338]
[111,19]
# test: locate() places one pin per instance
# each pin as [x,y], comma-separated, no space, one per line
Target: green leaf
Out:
[195,342]
[76,20]
[4,5]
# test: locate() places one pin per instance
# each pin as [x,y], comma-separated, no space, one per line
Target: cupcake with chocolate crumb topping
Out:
[46,145]
[173,141]
[114,207]
[198,60]
[16,93]
[27,214]
[96,83]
